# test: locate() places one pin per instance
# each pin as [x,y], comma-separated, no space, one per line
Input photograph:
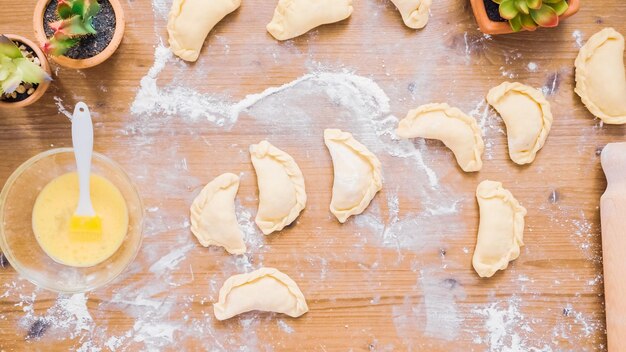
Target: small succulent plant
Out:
[530,14]
[16,68]
[75,20]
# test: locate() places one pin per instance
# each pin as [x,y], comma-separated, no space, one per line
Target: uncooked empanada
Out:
[265,289]
[527,116]
[600,76]
[281,187]
[501,229]
[455,129]
[293,18]
[414,12]
[190,21]
[213,218]
[357,174]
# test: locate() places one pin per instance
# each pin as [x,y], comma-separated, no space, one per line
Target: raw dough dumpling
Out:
[501,229]
[293,18]
[455,129]
[213,218]
[414,12]
[190,21]
[527,116]
[600,76]
[281,187]
[357,174]
[265,289]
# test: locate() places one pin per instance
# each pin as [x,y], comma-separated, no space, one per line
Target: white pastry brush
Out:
[85,224]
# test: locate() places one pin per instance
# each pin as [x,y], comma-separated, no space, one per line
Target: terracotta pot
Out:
[42,87]
[120,24]
[488,26]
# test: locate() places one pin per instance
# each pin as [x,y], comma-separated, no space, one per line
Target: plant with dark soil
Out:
[19,69]
[530,14]
[75,21]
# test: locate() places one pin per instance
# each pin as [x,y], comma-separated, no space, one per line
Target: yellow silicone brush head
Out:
[85,228]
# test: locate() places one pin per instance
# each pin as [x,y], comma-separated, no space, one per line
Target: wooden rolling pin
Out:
[613,214]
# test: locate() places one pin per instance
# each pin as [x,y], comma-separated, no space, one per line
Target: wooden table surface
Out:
[399,277]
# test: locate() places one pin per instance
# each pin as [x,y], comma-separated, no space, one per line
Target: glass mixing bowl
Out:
[18,242]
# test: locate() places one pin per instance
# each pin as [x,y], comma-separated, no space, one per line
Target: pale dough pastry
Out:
[527,116]
[293,18]
[357,174]
[190,21]
[213,219]
[600,76]
[265,289]
[414,12]
[455,129]
[281,187]
[501,229]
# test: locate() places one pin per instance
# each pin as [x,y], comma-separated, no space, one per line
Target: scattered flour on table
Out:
[284,326]
[251,236]
[578,37]
[439,305]
[506,328]
[62,110]
[171,260]
[354,92]
[69,315]
[490,125]
[440,298]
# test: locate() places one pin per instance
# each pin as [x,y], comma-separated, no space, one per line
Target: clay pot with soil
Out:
[79,33]
[509,16]
[24,72]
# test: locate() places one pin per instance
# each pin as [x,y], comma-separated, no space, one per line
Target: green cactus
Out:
[75,20]
[15,68]
[530,14]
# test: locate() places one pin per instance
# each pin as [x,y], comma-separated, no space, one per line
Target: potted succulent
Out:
[509,16]
[24,71]
[79,33]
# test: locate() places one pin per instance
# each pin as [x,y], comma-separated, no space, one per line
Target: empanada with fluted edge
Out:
[459,132]
[500,231]
[527,116]
[601,78]
[190,21]
[282,195]
[213,218]
[293,18]
[265,289]
[357,174]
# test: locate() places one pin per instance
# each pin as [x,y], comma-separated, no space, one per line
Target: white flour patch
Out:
[61,108]
[440,297]
[89,346]
[578,38]
[171,260]
[583,232]
[251,235]
[114,342]
[438,308]
[69,316]
[284,326]
[508,329]
[154,331]
[160,8]
[490,125]
[532,67]
[405,232]
[503,322]
[174,100]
